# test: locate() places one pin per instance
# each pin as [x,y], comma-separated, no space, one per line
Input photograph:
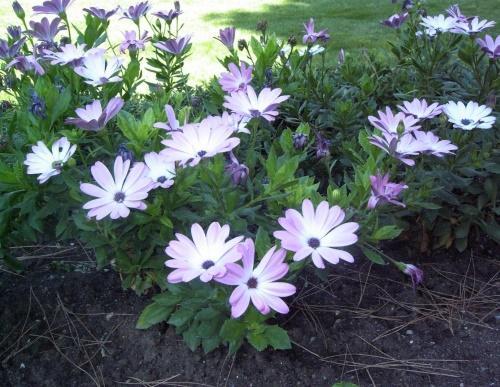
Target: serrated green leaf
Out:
[277,337]
[153,314]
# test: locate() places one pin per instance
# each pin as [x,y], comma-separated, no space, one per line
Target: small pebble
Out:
[409,332]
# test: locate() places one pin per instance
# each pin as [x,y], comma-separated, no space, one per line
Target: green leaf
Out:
[262,242]
[373,256]
[258,341]
[192,338]
[153,314]
[386,232]
[277,337]
[344,384]
[181,317]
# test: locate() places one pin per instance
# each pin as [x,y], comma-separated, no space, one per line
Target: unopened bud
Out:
[18,10]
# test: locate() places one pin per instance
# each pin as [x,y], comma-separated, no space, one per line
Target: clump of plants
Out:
[213,199]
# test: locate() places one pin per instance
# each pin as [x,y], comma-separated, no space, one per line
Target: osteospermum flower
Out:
[237,79]
[132,43]
[258,285]
[172,124]
[135,12]
[431,144]
[399,147]
[9,51]
[198,141]
[396,20]
[384,191]
[46,30]
[97,70]
[160,170]
[394,123]
[175,46]
[489,46]
[101,13]
[205,256]
[226,37]
[116,195]
[27,63]
[439,23]
[92,117]
[470,116]
[420,109]
[311,37]
[56,7]
[47,163]
[317,233]
[70,54]
[473,26]
[248,104]
[234,121]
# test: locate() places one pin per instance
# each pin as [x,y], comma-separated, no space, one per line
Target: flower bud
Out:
[18,10]
[71,162]
[125,153]
[416,274]
[262,26]
[292,41]
[322,147]
[242,44]
[14,32]
[237,172]
[299,141]
[38,107]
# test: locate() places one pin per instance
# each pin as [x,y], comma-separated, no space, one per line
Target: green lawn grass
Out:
[353,24]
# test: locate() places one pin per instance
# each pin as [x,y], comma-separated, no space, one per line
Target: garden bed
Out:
[66,324]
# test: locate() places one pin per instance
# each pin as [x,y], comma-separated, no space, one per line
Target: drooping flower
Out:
[317,233]
[46,30]
[56,7]
[116,195]
[101,13]
[248,104]
[172,124]
[236,171]
[47,163]
[135,12]
[70,54]
[132,43]
[9,52]
[383,191]
[431,144]
[14,32]
[237,79]
[27,63]
[226,37]
[199,141]
[420,109]
[311,37]
[38,107]
[396,20]
[258,285]
[470,116]
[455,12]
[205,256]
[489,46]
[97,70]
[473,26]
[160,170]
[322,145]
[440,23]
[175,46]
[399,147]
[416,274]
[92,117]
[394,123]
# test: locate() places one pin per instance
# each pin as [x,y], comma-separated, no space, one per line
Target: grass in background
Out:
[353,24]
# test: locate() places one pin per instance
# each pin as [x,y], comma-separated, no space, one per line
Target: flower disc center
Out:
[313,242]
[252,283]
[119,197]
[207,264]
[202,153]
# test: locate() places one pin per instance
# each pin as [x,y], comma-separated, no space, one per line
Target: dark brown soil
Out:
[365,325]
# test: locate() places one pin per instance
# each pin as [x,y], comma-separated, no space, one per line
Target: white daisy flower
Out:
[470,116]
[439,23]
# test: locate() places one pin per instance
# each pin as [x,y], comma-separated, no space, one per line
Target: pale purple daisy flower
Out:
[473,26]
[116,195]
[169,16]
[390,123]
[317,233]
[470,116]
[233,121]
[47,163]
[416,274]
[9,52]
[258,285]
[226,37]
[311,37]
[97,70]
[455,12]
[431,144]
[396,20]
[489,46]
[160,170]
[101,13]
[420,109]
[132,43]
[135,12]
[383,191]
[92,117]
[46,30]
[175,46]
[198,141]
[27,63]
[399,147]
[248,104]
[56,7]
[205,256]
[14,32]
[69,54]
[237,79]
[172,124]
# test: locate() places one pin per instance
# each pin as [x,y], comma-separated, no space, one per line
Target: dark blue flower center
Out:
[207,264]
[202,153]
[119,197]
[57,165]
[313,242]
[252,283]
[466,121]
[254,113]
[161,179]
